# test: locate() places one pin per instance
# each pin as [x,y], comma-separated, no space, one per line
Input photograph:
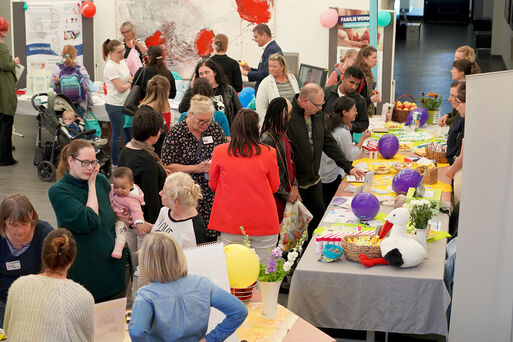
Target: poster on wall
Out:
[353,32]
[185,28]
[49,27]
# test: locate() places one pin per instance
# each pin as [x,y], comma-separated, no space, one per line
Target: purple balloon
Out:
[423,118]
[405,179]
[388,146]
[365,206]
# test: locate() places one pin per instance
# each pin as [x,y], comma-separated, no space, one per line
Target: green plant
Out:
[420,213]
[432,101]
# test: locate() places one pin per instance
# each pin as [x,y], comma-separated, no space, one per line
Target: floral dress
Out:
[180,147]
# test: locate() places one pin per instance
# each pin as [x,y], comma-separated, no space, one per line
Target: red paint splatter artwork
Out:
[254,11]
[155,39]
[203,42]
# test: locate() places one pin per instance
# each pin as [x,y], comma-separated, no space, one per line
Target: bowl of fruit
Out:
[402,109]
[353,246]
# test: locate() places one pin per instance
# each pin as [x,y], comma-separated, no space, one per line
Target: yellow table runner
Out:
[383,182]
[258,329]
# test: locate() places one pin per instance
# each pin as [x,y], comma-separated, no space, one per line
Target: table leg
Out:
[371,336]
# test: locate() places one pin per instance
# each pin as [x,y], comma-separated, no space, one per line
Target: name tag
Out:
[208,140]
[13,265]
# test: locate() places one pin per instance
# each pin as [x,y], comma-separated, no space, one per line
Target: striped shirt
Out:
[285,90]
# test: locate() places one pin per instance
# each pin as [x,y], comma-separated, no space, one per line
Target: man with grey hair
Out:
[309,138]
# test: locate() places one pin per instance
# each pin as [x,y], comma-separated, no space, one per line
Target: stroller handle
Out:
[32,100]
[84,133]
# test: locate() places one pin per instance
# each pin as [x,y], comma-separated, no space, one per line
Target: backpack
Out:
[71,83]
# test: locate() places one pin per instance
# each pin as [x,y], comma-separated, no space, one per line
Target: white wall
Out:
[297,27]
[502,35]
[482,297]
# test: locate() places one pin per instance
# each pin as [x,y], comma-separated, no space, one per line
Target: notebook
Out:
[208,260]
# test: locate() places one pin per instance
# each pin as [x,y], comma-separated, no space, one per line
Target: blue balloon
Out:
[384,18]
[388,146]
[365,206]
[246,95]
[405,179]
[424,116]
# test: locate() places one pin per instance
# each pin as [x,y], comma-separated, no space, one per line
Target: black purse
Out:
[131,105]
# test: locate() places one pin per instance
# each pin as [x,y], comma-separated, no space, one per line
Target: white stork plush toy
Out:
[399,249]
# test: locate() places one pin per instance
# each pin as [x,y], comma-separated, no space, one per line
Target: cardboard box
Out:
[430,195]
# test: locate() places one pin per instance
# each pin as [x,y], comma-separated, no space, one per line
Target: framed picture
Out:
[311,74]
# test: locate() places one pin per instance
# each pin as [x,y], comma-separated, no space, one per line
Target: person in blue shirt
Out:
[175,305]
[21,241]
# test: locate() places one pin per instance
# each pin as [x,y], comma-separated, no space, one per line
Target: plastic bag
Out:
[133,61]
[295,221]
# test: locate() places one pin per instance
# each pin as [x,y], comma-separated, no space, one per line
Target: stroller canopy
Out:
[59,103]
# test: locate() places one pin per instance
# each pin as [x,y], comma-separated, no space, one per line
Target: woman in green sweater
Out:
[80,200]
[8,99]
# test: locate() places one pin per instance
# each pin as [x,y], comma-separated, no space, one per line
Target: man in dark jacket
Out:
[347,86]
[262,36]
[309,138]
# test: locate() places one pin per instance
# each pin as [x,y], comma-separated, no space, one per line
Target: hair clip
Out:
[67,55]
[159,57]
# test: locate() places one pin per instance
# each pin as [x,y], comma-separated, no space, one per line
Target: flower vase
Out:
[270,290]
[431,116]
[422,238]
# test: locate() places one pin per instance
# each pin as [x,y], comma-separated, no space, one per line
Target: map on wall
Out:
[185,28]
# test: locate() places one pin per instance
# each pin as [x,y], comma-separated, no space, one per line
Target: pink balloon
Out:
[329,18]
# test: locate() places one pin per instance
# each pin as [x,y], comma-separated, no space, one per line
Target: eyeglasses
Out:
[125,32]
[315,104]
[201,122]
[86,163]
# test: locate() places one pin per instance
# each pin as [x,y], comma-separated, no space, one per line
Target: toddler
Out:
[126,199]
[75,125]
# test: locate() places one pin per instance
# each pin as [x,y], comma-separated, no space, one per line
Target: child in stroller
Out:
[74,125]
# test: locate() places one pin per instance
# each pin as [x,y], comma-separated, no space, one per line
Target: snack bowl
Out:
[332,251]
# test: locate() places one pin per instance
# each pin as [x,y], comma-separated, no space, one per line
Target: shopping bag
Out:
[133,61]
[295,221]
[92,123]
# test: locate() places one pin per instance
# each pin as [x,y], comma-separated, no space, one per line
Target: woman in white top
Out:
[279,83]
[47,306]
[118,81]
[344,112]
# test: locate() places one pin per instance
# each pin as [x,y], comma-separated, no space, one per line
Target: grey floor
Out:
[419,66]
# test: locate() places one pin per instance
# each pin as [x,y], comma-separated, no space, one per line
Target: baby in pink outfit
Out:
[126,200]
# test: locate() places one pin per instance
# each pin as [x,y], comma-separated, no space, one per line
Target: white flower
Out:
[419,203]
[287,265]
[292,256]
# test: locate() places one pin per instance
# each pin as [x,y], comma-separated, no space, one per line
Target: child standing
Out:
[126,199]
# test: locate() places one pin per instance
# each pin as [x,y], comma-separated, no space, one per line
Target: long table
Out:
[348,295]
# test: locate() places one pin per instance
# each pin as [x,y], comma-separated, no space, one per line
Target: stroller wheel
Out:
[46,171]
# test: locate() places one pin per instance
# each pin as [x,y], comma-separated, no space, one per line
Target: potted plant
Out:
[273,270]
[432,103]
[420,213]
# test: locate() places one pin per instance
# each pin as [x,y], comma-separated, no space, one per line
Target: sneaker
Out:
[98,142]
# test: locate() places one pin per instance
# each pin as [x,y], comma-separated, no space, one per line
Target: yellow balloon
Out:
[243,266]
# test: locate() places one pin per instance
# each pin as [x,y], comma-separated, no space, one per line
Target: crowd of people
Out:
[176,186]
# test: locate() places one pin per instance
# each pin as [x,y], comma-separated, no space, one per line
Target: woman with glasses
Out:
[188,148]
[225,98]
[130,41]
[279,83]
[244,175]
[118,81]
[80,199]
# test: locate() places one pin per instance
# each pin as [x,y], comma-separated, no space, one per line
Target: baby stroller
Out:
[47,153]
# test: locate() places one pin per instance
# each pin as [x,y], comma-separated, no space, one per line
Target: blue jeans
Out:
[117,121]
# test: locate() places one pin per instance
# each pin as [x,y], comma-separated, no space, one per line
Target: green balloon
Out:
[384,18]
[25,6]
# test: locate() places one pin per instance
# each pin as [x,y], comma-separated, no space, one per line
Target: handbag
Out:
[91,122]
[131,105]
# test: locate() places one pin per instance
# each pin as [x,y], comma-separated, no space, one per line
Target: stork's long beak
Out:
[386,228]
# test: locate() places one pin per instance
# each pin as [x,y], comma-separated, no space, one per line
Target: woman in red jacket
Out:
[244,176]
